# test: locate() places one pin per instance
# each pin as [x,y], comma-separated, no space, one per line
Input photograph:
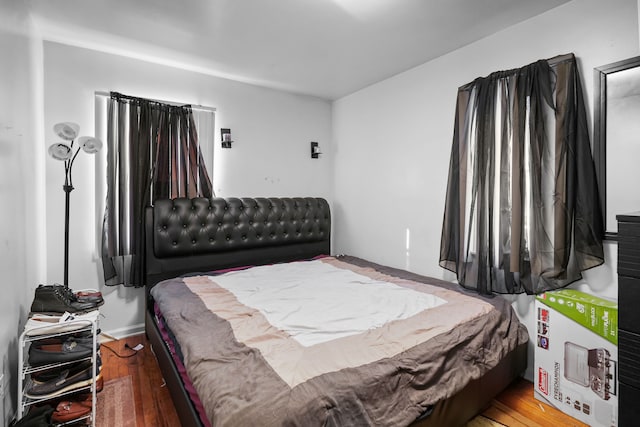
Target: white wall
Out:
[21,254]
[272,131]
[393,139]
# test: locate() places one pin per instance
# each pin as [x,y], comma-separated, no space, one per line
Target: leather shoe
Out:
[68,410]
[89,295]
[68,351]
[99,383]
[53,373]
[63,384]
[84,338]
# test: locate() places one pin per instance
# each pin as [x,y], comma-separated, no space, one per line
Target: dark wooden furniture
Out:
[629,318]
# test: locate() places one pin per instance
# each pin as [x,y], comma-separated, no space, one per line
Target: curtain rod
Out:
[560,58]
[194,107]
[551,61]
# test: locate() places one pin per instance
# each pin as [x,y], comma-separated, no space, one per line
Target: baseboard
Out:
[120,333]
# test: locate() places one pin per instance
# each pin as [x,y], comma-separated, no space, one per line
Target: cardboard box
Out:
[576,355]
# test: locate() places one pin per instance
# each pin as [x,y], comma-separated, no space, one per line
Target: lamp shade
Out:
[67,130]
[60,151]
[90,144]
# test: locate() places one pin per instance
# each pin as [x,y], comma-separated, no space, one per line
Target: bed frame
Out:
[190,235]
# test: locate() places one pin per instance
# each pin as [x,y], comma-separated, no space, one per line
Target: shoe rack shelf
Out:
[26,370]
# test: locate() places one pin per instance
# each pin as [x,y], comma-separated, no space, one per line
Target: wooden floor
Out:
[515,407]
[154,406]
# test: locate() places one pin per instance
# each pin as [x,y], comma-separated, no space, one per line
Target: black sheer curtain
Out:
[521,211]
[153,153]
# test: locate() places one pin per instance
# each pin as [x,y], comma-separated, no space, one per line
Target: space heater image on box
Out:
[591,368]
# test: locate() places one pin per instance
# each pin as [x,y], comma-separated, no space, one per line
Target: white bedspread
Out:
[329,301]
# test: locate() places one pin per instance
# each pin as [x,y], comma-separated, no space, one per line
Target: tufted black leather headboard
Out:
[190,235]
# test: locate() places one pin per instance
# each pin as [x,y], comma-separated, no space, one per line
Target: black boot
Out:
[57,299]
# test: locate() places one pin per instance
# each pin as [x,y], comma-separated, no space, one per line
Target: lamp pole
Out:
[67,190]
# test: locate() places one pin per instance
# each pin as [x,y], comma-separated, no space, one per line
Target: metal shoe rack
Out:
[25,369]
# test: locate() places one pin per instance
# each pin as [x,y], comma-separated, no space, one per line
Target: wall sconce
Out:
[226,138]
[315,150]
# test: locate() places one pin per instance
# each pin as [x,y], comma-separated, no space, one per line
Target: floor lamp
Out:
[64,151]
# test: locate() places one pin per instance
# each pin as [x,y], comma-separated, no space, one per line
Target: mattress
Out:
[330,341]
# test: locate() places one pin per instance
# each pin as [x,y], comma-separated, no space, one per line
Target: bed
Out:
[254,323]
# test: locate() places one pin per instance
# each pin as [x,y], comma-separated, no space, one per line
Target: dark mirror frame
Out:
[600,129]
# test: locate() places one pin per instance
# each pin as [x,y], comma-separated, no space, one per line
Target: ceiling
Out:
[324,48]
